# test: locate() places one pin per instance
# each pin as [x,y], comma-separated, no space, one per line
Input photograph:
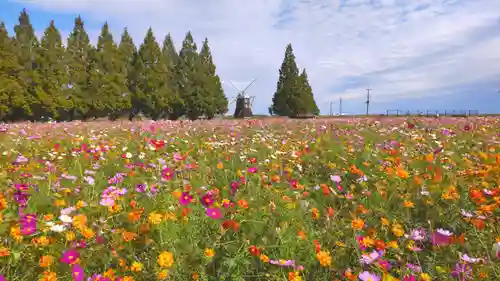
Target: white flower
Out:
[444,232]
[65,218]
[468,259]
[128,155]
[58,228]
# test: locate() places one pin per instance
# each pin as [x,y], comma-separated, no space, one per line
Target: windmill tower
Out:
[243,102]
[367,102]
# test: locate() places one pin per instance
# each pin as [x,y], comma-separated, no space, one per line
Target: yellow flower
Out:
[425,277]
[385,221]
[70,236]
[155,218]
[398,230]
[136,266]
[209,253]
[324,258]
[392,244]
[166,259]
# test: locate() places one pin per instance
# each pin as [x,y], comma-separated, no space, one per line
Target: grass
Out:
[251,200]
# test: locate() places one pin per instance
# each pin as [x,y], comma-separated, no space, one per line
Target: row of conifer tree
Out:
[46,79]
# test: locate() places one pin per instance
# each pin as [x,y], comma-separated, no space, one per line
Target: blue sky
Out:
[413,54]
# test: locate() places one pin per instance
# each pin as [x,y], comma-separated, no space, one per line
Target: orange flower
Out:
[4,252]
[358,224]
[243,203]
[46,261]
[128,236]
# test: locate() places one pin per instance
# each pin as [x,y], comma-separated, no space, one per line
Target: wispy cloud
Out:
[400,48]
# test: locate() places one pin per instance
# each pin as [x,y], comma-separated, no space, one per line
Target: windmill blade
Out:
[249,85]
[234,87]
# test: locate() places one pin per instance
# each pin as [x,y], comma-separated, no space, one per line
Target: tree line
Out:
[46,79]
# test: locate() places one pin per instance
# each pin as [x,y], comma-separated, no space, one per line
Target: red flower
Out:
[254,251]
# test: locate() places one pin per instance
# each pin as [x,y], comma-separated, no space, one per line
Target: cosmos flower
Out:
[214,213]
[70,256]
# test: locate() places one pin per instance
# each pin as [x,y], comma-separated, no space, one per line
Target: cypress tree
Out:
[217,102]
[78,61]
[287,86]
[112,92]
[12,97]
[307,93]
[191,79]
[171,60]
[53,70]
[128,53]
[26,47]
[152,93]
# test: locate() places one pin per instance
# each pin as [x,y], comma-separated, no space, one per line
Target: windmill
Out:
[243,102]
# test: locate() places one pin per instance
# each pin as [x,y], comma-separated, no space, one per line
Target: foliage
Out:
[293,96]
[46,80]
[224,200]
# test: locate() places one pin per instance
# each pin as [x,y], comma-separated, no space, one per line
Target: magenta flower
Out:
[207,200]
[2,278]
[77,272]
[167,174]
[70,256]
[252,170]
[185,199]
[28,224]
[214,213]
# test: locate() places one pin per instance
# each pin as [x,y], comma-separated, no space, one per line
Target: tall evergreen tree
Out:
[171,61]
[12,97]
[53,70]
[312,107]
[217,100]
[191,79]
[128,53]
[152,94]
[78,61]
[26,47]
[112,92]
[287,86]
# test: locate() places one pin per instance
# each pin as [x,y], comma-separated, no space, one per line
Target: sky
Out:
[415,55]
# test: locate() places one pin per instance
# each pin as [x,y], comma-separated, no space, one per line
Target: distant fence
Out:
[451,113]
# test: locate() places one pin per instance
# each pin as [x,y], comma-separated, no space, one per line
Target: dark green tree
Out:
[110,79]
[26,47]
[307,94]
[217,102]
[12,96]
[192,80]
[171,61]
[152,94]
[53,70]
[78,53]
[288,84]
[128,54]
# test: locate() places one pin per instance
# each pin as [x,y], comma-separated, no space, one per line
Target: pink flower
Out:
[252,170]
[367,276]
[70,256]
[214,213]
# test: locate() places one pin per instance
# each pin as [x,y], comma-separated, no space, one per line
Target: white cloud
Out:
[399,48]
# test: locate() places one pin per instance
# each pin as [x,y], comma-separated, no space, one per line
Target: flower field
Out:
[340,199]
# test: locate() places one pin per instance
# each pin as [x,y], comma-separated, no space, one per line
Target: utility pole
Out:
[367,100]
[340,106]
